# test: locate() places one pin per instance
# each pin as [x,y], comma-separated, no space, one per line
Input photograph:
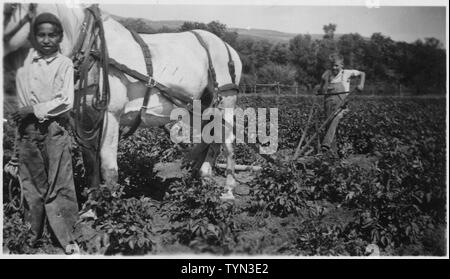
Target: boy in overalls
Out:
[45,90]
[335,85]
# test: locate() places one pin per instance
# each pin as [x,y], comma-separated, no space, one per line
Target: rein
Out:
[91,38]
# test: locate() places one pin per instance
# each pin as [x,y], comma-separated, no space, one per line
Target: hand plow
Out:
[306,149]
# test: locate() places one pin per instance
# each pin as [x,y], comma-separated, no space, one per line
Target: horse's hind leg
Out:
[229,100]
[210,159]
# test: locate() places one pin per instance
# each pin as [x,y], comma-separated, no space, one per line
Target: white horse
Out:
[179,61]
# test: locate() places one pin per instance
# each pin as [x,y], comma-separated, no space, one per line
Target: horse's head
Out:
[16,25]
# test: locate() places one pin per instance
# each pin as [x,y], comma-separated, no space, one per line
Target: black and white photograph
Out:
[224,129]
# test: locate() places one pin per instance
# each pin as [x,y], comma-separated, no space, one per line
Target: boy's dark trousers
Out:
[46,175]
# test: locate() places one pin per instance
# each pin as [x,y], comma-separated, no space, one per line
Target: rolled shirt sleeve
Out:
[63,96]
[353,73]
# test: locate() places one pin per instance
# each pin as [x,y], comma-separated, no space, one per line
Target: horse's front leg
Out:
[108,151]
[110,136]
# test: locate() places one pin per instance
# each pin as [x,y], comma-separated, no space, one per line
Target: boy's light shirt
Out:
[344,77]
[46,84]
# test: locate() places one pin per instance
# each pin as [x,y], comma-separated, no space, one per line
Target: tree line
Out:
[392,67]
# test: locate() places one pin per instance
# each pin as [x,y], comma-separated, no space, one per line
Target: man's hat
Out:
[43,18]
[336,58]
[46,18]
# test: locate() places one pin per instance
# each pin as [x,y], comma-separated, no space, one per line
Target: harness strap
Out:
[231,68]
[211,71]
[89,116]
[92,25]
[150,84]
[177,98]
[85,26]
[101,102]
[229,86]
[145,51]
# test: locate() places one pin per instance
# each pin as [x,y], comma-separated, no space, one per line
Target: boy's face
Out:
[48,38]
[336,68]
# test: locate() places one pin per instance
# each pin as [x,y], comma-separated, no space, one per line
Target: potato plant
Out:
[385,186]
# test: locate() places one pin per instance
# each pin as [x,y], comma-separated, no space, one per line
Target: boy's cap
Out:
[47,18]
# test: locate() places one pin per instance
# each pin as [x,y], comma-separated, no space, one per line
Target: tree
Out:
[231,38]
[217,28]
[271,72]
[324,48]
[353,48]
[329,30]
[259,55]
[189,25]
[244,48]
[427,69]
[303,57]
[279,53]
[379,56]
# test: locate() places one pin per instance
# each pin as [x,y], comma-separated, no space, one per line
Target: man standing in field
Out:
[45,91]
[335,86]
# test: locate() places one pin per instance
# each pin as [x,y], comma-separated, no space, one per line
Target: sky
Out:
[401,23]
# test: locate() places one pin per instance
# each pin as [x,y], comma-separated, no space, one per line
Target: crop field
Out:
[387,186]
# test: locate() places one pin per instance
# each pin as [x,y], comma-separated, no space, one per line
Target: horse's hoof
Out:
[227,196]
[208,180]
[72,249]
[89,214]
[231,182]
[206,170]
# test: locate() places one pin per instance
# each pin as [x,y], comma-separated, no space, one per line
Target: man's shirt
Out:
[340,82]
[46,84]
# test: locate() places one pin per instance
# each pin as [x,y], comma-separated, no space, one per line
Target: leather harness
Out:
[176,98]
[86,56]
[90,53]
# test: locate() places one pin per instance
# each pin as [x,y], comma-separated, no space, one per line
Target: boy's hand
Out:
[21,113]
[360,88]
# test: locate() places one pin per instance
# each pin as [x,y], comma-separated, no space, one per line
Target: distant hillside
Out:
[262,34]
[273,36]
[152,26]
